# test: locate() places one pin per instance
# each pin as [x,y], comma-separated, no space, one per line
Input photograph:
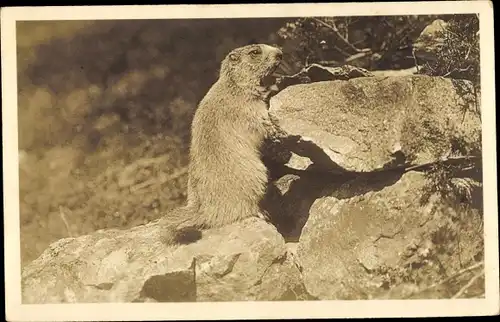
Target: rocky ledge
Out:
[389,206]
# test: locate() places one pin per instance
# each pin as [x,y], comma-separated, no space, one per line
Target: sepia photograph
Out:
[249,161]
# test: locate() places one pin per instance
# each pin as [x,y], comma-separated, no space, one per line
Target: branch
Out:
[415,60]
[469,284]
[63,217]
[340,50]
[446,160]
[460,70]
[361,54]
[400,72]
[472,267]
[403,168]
[329,63]
[351,58]
[337,32]
[468,52]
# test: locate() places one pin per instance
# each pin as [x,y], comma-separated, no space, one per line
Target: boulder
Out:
[244,261]
[385,237]
[391,204]
[372,123]
[430,41]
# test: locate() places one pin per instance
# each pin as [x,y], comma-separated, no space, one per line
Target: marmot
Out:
[227,179]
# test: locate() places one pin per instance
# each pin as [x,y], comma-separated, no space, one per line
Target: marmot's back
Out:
[227,178]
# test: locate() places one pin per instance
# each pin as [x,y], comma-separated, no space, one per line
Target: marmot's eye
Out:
[255,52]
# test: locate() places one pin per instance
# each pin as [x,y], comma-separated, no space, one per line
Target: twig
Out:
[469,284]
[337,32]
[401,72]
[340,50]
[329,63]
[448,68]
[63,217]
[415,60]
[401,168]
[447,160]
[463,117]
[468,52]
[430,67]
[349,59]
[447,279]
[306,62]
[460,70]
[451,32]
[357,56]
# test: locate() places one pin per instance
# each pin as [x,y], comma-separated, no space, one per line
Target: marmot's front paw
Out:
[264,215]
[274,129]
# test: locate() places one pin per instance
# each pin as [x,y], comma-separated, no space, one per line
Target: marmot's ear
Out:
[233,57]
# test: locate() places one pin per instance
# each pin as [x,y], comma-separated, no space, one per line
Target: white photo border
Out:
[16,311]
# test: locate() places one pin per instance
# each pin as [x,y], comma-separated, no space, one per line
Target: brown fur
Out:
[227,178]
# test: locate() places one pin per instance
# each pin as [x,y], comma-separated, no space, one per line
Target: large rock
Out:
[371,123]
[430,41]
[245,261]
[370,227]
[385,238]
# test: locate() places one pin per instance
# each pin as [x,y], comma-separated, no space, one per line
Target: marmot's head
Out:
[251,65]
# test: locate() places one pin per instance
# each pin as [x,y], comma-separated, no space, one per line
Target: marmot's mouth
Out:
[270,79]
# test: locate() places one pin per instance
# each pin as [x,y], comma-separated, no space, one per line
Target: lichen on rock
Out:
[245,261]
[362,124]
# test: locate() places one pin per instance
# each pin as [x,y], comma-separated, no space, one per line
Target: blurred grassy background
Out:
[104,115]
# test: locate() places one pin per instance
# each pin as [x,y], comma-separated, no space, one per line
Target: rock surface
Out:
[430,41]
[245,261]
[369,227]
[370,236]
[370,123]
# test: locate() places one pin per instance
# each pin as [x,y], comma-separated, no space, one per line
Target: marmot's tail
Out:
[181,226]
